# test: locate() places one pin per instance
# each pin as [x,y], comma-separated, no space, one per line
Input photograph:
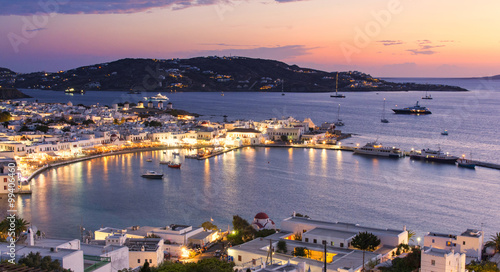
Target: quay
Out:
[487,165]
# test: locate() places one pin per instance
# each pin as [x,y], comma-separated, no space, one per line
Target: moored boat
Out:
[158,97]
[466,163]
[376,149]
[174,165]
[152,175]
[417,109]
[433,155]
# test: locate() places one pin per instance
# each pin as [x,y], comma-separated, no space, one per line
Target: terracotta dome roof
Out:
[261,215]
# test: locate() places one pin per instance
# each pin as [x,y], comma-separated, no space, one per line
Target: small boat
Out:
[158,97]
[417,109]
[174,165]
[376,149]
[222,94]
[339,122]
[337,95]
[176,153]
[427,96]
[433,155]
[445,132]
[149,159]
[463,162]
[384,120]
[152,175]
[164,162]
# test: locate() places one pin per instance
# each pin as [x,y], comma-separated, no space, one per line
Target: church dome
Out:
[261,215]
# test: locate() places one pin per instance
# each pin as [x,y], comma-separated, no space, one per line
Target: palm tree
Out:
[365,241]
[495,241]
[20,226]
[411,235]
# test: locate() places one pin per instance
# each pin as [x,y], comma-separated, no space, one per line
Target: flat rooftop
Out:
[44,251]
[332,233]
[344,257]
[342,226]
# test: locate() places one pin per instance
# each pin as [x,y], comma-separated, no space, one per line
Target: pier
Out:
[487,165]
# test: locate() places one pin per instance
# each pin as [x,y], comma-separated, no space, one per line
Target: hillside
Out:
[208,74]
[8,93]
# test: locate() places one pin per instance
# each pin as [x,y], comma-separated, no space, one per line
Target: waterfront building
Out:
[441,260]
[145,250]
[470,242]
[174,236]
[300,232]
[291,133]
[248,136]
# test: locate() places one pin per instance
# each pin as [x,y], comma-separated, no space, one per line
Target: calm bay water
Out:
[329,185]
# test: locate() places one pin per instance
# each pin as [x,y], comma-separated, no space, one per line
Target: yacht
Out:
[417,109]
[339,122]
[152,175]
[433,155]
[158,97]
[376,149]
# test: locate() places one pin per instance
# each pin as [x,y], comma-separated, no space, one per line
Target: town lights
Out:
[184,252]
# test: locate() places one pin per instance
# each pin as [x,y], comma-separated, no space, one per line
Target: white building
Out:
[313,235]
[470,242]
[441,260]
[145,250]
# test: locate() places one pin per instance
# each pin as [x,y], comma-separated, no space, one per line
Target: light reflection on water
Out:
[325,184]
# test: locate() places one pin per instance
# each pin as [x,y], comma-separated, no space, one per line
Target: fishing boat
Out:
[445,132]
[427,96]
[433,155]
[384,120]
[376,149]
[337,95]
[339,122]
[152,175]
[417,109]
[466,163]
[149,159]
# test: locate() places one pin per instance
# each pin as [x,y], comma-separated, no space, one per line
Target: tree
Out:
[42,128]
[483,266]
[207,225]
[365,241]
[88,122]
[282,247]
[5,116]
[243,231]
[407,264]
[300,252]
[284,138]
[145,267]
[20,226]
[205,265]
[35,260]
[495,241]
[411,235]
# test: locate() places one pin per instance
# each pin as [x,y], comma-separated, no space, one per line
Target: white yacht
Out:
[376,149]
[158,97]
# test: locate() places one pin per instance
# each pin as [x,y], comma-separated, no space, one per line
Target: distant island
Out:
[206,74]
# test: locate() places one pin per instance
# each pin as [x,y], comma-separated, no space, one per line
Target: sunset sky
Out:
[404,38]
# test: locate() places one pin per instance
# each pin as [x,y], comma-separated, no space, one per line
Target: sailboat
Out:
[383,120]
[426,95]
[337,95]
[282,88]
[339,122]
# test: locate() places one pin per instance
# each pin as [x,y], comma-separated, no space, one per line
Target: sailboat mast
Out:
[337,84]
